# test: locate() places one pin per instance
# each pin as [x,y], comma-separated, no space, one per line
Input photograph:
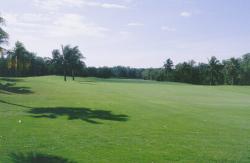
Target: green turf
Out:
[98,120]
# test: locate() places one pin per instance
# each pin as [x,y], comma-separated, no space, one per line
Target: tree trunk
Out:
[16,65]
[211,78]
[64,65]
[65,76]
[73,75]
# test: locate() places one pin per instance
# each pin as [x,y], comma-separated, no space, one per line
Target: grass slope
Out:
[95,120]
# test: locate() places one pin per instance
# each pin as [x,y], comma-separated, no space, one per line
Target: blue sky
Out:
[136,33]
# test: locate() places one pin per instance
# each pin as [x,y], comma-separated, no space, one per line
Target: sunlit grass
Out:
[116,120]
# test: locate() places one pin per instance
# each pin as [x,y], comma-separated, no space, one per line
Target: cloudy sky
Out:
[137,33]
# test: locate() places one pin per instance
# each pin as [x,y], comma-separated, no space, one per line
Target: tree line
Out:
[233,71]
[68,61]
[21,62]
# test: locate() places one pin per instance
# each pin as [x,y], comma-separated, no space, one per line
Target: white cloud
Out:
[46,25]
[135,24]
[185,14]
[128,1]
[48,4]
[73,25]
[28,18]
[169,29]
[110,5]
[54,5]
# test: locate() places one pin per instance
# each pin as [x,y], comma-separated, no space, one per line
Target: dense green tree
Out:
[203,74]
[245,69]
[92,71]
[168,66]
[214,68]
[57,62]
[120,71]
[104,72]
[19,59]
[184,72]
[38,66]
[153,74]
[232,71]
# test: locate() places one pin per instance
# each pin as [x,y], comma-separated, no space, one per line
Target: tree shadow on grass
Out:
[11,79]
[9,103]
[11,88]
[85,114]
[37,158]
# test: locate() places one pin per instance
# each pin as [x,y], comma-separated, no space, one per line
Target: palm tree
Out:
[64,53]
[73,56]
[57,62]
[69,58]
[59,58]
[213,69]
[3,35]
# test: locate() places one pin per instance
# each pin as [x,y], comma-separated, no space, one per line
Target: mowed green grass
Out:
[117,120]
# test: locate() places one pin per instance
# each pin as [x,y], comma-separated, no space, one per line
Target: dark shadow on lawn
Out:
[9,103]
[11,88]
[85,114]
[3,92]
[37,158]
[11,79]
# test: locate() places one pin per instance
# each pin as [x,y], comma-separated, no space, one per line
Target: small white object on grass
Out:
[20,121]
